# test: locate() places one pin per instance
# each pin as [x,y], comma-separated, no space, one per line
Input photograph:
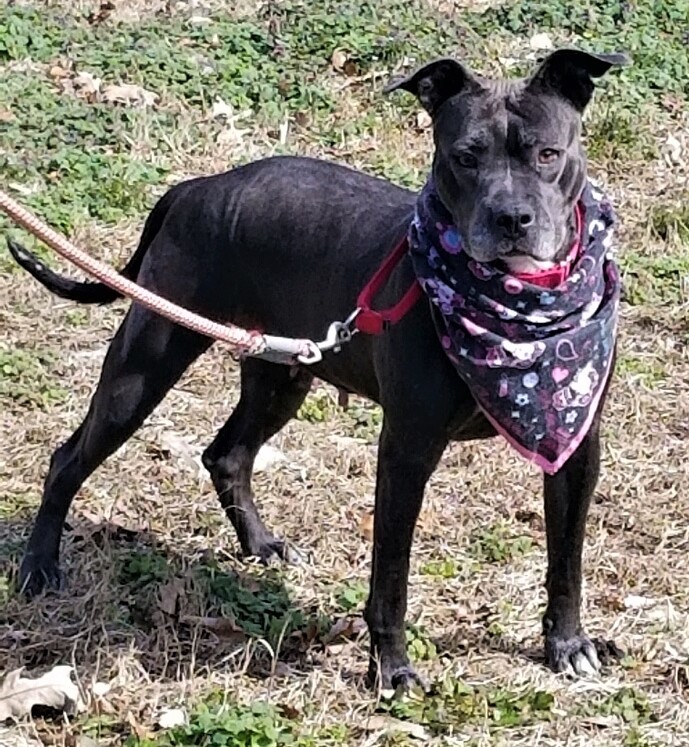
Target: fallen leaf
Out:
[634,602]
[169,596]
[172,445]
[289,711]
[102,14]
[101,689]
[86,85]
[350,68]
[129,94]
[423,120]
[57,71]
[338,59]
[673,149]
[345,627]
[224,627]
[532,518]
[171,718]
[221,109]
[55,689]
[540,41]
[366,526]
[387,724]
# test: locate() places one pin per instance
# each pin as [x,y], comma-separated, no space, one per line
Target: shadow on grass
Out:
[131,600]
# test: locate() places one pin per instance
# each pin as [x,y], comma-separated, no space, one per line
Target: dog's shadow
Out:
[480,640]
[132,601]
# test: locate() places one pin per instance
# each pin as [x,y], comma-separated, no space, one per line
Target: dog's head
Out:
[509,164]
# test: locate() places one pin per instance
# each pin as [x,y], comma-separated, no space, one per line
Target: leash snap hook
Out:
[338,334]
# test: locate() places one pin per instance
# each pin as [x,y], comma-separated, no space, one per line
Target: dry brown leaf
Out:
[350,68]
[57,71]
[170,594]
[346,627]
[102,14]
[224,627]
[366,526]
[55,689]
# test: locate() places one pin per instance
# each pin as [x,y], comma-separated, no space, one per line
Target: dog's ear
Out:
[434,83]
[570,73]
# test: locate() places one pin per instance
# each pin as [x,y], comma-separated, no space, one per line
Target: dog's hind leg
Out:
[270,396]
[147,356]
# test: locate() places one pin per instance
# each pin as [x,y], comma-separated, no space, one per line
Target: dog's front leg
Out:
[405,462]
[567,497]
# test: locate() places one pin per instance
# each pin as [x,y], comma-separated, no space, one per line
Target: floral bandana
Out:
[535,358]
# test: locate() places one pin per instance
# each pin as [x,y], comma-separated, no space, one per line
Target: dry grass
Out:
[151,499]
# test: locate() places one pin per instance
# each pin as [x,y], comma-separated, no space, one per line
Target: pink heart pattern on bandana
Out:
[535,359]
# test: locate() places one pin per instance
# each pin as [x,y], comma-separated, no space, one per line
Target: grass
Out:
[160,607]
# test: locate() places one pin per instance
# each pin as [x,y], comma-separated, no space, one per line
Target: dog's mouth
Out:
[525,263]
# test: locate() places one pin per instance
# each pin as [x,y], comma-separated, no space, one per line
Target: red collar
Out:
[373,322]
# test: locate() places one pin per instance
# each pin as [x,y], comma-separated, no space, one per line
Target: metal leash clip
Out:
[338,334]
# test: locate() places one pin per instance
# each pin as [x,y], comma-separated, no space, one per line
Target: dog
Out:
[285,244]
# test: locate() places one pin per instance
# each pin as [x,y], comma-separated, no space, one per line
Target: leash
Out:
[251,343]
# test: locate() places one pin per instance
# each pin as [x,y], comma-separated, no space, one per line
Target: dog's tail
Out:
[88,291]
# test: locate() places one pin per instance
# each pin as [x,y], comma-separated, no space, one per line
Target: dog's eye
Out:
[466,160]
[548,155]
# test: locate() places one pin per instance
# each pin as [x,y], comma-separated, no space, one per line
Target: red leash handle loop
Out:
[372,322]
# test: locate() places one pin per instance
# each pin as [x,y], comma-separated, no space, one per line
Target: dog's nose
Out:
[514,222]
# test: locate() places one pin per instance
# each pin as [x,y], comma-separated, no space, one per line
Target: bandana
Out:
[535,354]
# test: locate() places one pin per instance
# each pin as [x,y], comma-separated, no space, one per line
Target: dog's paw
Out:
[572,656]
[272,551]
[396,680]
[37,575]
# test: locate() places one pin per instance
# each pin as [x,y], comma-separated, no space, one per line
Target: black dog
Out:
[285,244]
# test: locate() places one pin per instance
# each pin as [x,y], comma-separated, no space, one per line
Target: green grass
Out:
[627,703]
[451,704]
[655,278]
[218,723]
[77,158]
[648,371]
[498,544]
[28,378]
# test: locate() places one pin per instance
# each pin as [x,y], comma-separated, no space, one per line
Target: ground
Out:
[159,610]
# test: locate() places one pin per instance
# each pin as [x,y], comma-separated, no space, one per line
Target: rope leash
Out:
[246,342]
